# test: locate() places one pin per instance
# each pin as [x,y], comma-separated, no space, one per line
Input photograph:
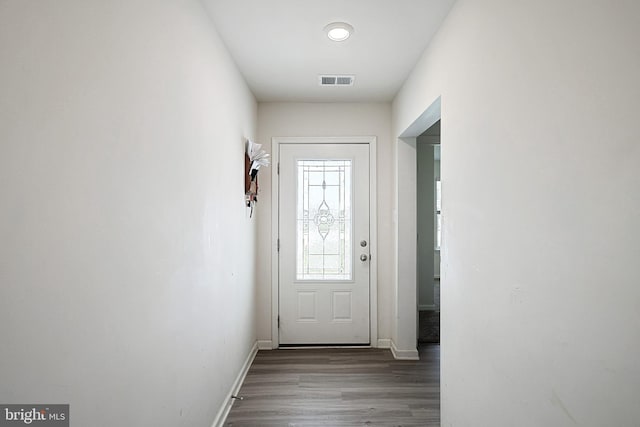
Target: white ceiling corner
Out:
[281,48]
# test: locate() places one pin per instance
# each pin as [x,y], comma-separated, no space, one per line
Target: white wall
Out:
[327,119]
[126,257]
[540,319]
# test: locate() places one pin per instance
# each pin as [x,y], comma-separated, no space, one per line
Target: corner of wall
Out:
[405,354]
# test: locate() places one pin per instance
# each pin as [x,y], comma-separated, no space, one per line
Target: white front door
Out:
[324,244]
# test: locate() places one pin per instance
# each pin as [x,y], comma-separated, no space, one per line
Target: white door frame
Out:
[373,226]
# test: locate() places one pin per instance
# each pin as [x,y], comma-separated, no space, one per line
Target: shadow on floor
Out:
[429,322]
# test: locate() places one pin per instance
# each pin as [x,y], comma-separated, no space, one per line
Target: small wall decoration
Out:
[254,158]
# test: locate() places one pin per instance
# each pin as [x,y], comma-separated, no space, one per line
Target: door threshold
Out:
[312,346]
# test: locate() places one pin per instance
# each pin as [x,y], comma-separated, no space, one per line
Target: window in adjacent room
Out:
[438,214]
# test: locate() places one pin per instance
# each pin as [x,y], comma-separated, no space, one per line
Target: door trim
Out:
[373,226]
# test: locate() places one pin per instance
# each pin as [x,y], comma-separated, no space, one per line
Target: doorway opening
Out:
[407,301]
[429,233]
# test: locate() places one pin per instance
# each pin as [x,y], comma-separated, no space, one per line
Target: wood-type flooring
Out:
[339,388]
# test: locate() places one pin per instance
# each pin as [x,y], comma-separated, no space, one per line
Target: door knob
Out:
[363,257]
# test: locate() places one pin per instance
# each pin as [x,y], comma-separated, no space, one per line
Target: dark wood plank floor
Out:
[338,388]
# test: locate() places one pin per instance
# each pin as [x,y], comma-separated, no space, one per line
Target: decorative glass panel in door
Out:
[324,237]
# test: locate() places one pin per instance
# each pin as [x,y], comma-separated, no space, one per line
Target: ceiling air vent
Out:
[335,80]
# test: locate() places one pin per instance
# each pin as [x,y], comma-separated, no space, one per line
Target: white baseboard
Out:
[265,345]
[221,417]
[404,354]
[384,343]
[427,307]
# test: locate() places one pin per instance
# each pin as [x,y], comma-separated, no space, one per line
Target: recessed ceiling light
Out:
[338,31]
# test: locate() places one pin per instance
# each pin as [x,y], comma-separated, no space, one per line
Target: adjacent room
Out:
[443,230]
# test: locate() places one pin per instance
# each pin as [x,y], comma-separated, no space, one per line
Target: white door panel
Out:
[323,218]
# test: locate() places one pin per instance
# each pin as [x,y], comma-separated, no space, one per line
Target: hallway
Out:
[134,277]
[339,387]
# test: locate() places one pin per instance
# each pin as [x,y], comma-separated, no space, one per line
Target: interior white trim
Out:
[224,410]
[404,354]
[275,203]
[373,225]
